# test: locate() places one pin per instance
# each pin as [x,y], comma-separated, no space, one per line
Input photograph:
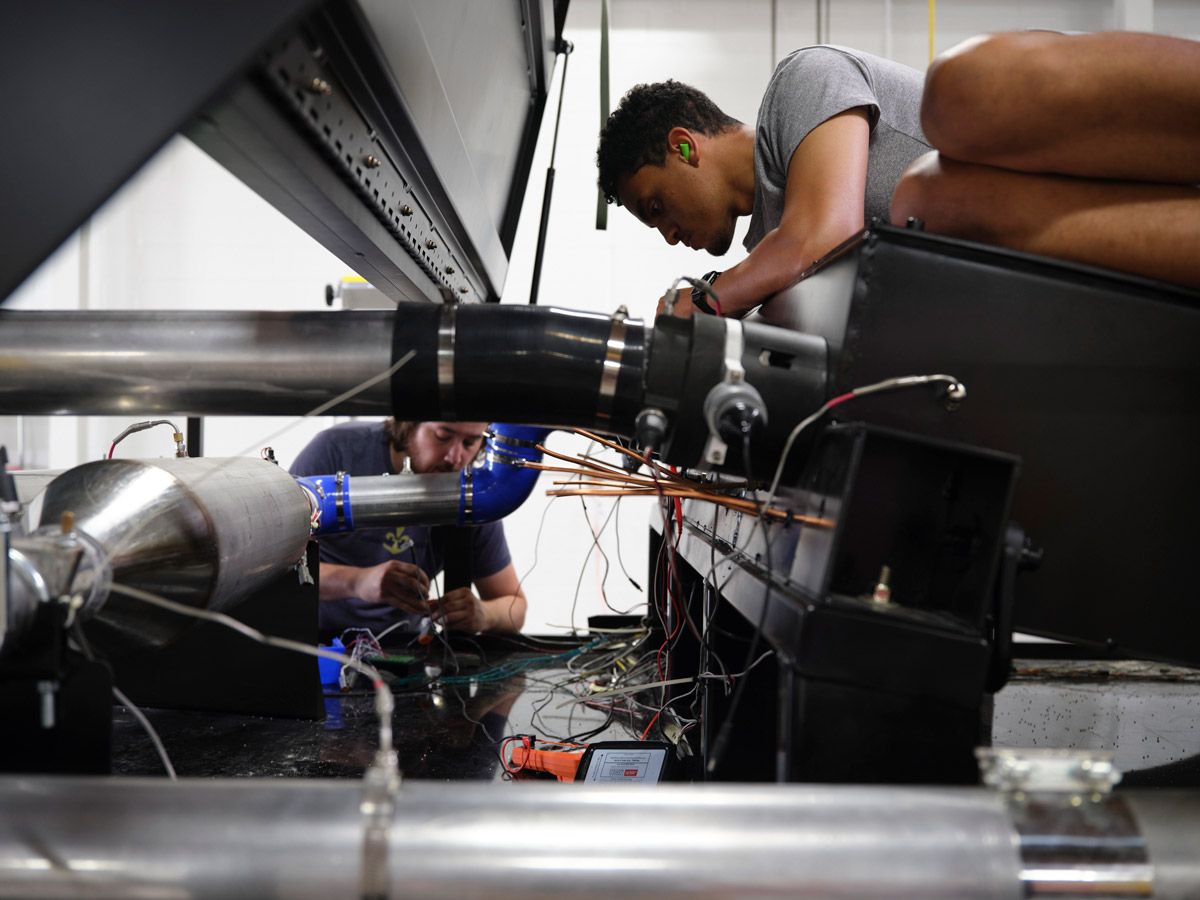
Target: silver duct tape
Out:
[1074,843]
[445,360]
[611,369]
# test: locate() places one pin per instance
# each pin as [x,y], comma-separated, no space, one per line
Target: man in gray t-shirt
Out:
[811,86]
[835,131]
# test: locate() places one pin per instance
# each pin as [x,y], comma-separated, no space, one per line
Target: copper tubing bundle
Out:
[595,478]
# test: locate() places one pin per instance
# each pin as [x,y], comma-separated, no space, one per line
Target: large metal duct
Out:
[279,838]
[520,364]
[204,532]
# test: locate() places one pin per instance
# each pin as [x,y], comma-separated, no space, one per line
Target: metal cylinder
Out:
[204,532]
[527,364]
[122,362]
[276,838]
[521,364]
[402,499]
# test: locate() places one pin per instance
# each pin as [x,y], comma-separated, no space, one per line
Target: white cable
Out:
[149,729]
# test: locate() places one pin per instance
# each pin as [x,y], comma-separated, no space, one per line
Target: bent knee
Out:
[976,93]
[917,190]
[952,197]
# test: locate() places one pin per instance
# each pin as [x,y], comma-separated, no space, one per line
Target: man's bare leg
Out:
[1137,227]
[1106,105]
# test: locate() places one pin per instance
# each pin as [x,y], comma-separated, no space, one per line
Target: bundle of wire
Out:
[591,477]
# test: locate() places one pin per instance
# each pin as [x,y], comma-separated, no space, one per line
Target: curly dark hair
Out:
[636,131]
[398,432]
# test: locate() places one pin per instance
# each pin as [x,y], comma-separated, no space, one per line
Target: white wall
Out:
[184,234]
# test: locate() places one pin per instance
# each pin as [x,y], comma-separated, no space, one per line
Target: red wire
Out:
[651,725]
[504,762]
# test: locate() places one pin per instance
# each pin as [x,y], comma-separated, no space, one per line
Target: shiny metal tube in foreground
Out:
[274,838]
[110,837]
[121,362]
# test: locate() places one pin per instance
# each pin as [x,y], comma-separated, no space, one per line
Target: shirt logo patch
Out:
[396,541]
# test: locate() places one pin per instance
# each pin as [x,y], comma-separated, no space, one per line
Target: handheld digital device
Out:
[624,762]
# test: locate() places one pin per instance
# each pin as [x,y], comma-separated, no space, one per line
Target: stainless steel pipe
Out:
[275,838]
[148,838]
[120,362]
[402,499]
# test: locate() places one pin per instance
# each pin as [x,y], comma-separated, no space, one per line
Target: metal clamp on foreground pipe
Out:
[479,494]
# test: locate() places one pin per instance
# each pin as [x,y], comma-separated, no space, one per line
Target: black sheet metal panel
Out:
[93,90]
[399,135]
[1091,377]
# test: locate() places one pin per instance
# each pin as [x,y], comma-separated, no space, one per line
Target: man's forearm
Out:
[775,264]
[336,582]
[504,613]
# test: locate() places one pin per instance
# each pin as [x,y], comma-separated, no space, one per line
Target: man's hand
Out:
[684,308]
[460,610]
[399,584]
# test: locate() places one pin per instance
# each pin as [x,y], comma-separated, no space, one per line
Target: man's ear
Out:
[683,144]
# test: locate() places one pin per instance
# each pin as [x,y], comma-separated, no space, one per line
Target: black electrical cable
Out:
[726,729]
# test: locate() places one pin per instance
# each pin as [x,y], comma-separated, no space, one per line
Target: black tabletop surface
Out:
[451,729]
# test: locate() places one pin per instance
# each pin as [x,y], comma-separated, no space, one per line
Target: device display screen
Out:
[632,763]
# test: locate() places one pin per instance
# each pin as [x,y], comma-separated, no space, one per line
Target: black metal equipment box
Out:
[1092,378]
[887,621]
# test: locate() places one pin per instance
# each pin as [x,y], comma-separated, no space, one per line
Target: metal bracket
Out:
[1024,771]
[1075,835]
[732,373]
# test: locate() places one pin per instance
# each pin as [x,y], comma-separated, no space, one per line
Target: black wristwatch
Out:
[700,299]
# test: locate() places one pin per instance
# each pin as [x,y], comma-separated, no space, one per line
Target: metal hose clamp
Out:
[611,369]
[339,498]
[381,783]
[445,360]
[468,496]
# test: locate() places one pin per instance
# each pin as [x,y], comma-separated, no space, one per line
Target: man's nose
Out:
[670,234]
[456,456]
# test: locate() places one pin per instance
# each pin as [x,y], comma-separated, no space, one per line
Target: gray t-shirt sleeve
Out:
[811,86]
